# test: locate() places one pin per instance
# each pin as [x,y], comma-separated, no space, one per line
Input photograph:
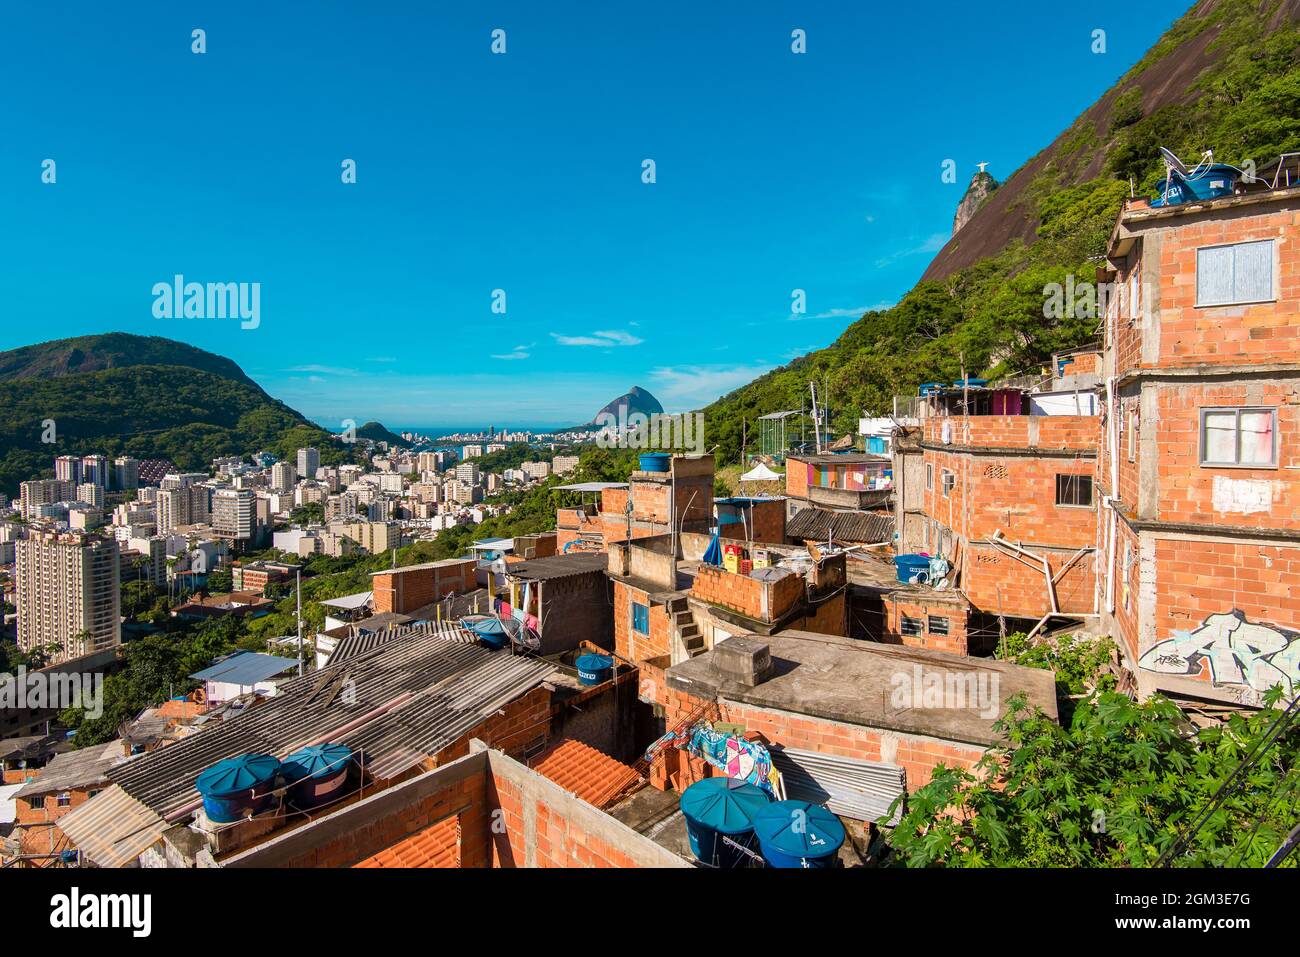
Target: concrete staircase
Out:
[685,630]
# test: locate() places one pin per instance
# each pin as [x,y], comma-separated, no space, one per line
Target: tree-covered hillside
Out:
[1240,60]
[184,404]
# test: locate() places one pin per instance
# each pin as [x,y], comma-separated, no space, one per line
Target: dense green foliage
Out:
[1076,660]
[988,318]
[1114,788]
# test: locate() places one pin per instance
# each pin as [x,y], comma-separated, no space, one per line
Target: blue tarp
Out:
[713,554]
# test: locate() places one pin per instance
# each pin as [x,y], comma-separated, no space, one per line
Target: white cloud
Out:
[605,338]
[518,352]
[690,387]
[323,370]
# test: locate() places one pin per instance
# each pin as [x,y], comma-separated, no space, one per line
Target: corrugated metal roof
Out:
[76,769]
[245,668]
[112,828]
[396,703]
[816,524]
[849,787]
[356,644]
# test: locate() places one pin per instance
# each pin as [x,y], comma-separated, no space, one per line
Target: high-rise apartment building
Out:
[34,494]
[186,505]
[283,477]
[94,468]
[308,462]
[67,468]
[67,594]
[126,473]
[234,514]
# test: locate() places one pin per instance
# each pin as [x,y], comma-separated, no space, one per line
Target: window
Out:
[1232,274]
[1239,437]
[949,481]
[1132,435]
[1074,491]
[641,619]
[913,627]
[64,799]
[929,476]
[938,625]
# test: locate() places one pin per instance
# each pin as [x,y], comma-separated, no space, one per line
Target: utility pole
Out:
[298,587]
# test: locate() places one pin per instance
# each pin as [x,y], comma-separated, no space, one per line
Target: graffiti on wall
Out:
[1231,650]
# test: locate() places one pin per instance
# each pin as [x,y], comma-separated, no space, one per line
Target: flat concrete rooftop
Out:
[858,682]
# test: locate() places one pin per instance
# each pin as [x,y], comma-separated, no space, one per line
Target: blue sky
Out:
[520,172]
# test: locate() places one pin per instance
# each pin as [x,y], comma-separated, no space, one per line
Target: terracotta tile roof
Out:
[595,777]
[180,708]
[435,846]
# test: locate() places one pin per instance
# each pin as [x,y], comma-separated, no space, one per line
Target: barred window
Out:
[911,626]
[938,625]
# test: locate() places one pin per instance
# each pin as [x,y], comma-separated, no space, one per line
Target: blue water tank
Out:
[655,462]
[912,568]
[318,773]
[236,787]
[721,806]
[594,669]
[490,631]
[798,834]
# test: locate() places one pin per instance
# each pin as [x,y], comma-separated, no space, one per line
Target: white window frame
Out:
[1273,273]
[1202,440]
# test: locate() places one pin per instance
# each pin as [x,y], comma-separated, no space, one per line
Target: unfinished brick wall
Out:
[998,584]
[1267,497]
[523,726]
[631,644]
[1197,579]
[717,586]
[468,800]
[950,617]
[765,523]
[1189,335]
[917,754]
[796,478]
[1047,432]
[558,840]
[405,589]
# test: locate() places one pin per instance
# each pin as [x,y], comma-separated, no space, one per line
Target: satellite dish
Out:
[1172,161]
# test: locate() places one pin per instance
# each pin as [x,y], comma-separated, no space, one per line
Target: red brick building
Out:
[1009,498]
[1199,473]
[400,590]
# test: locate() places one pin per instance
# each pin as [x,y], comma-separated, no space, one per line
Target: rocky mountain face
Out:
[981,185]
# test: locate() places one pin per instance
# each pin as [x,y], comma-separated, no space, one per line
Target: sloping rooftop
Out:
[348,602]
[818,524]
[363,641]
[396,704]
[595,777]
[434,846]
[559,566]
[245,668]
[76,769]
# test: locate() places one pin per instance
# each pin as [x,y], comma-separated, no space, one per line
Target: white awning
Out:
[761,473]
[349,602]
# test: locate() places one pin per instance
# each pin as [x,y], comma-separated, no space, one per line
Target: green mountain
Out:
[378,432]
[1226,77]
[145,396]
